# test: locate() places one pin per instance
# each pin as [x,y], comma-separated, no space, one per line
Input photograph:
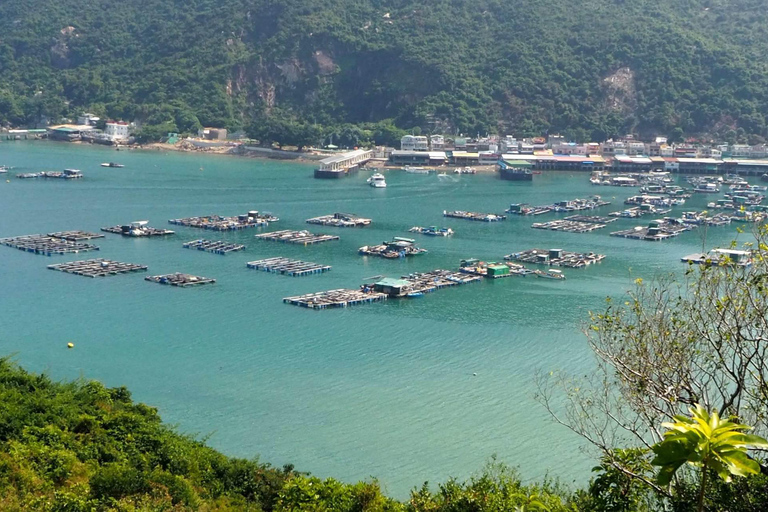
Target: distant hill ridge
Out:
[588,68]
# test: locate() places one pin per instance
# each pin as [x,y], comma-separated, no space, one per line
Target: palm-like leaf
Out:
[706,441]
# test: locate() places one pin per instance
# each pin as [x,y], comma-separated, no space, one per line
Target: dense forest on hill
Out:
[305,68]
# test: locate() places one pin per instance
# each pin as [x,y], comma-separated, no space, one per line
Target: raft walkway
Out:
[340,298]
[426,282]
[179,279]
[289,267]
[97,268]
[594,219]
[135,231]
[213,246]
[47,245]
[482,217]
[555,258]
[75,236]
[296,237]
[340,220]
[655,231]
[252,219]
[568,226]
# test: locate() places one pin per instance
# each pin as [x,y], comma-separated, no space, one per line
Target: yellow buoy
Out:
[70,345]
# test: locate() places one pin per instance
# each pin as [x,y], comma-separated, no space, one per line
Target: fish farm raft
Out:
[340,298]
[136,229]
[398,248]
[555,258]
[213,246]
[97,268]
[655,231]
[482,217]
[296,237]
[340,220]
[288,266]
[569,226]
[251,219]
[179,279]
[75,236]
[46,244]
[573,205]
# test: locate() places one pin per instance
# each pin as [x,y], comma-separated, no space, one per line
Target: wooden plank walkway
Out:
[555,258]
[97,267]
[213,246]
[288,266]
[340,298]
[296,237]
[219,223]
[482,217]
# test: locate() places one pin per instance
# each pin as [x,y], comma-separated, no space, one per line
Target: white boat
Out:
[377,181]
[416,170]
[707,188]
[113,164]
[551,274]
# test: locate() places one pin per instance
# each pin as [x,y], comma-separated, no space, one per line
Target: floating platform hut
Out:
[655,231]
[419,283]
[296,237]
[251,219]
[288,266]
[573,205]
[97,268]
[492,269]
[213,246]
[75,236]
[721,257]
[46,244]
[399,247]
[431,231]
[568,226]
[340,298]
[482,217]
[179,279]
[555,258]
[640,211]
[340,220]
[699,218]
[136,229]
[527,209]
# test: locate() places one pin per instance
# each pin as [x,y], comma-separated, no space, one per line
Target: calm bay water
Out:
[384,390]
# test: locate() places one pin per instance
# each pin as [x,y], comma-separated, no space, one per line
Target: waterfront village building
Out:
[116,131]
[612,148]
[437,141]
[569,148]
[414,143]
[407,157]
[212,133]
[88,119]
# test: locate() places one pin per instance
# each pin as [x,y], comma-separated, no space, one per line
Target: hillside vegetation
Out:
[78,446]
[588,68]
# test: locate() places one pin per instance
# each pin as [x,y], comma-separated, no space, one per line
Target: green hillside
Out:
[588,68]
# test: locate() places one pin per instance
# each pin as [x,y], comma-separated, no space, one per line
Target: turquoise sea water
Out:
[382,390]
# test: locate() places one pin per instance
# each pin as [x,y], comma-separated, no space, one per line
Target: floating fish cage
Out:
[97,268]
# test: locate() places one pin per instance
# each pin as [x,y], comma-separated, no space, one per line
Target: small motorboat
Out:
[413,295]
[377,181]
[112,164]
[551,274]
